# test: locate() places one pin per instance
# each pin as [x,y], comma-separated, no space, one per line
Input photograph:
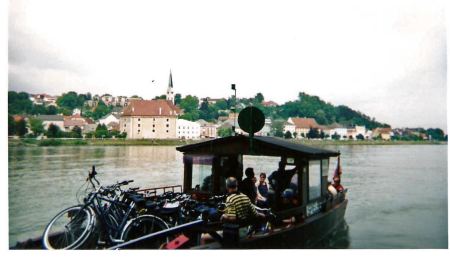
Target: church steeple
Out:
[170,95]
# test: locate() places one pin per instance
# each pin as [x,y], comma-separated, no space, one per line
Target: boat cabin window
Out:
[325,167]
[314,179]
[266,164]
[202,173]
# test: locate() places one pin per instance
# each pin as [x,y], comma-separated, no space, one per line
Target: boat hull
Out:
[304,235]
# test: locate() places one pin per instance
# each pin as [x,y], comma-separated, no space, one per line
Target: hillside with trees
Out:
[312,107]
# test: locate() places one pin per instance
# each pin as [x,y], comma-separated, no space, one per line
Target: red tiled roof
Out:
[158,107]
[89,121]
[269,103]
[18,118]
[383,130]
[72,117]
[305,123]
[70,123]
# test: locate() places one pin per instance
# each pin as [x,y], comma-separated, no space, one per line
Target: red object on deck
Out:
[177,242]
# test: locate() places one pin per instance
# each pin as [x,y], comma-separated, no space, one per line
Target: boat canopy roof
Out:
[257,145]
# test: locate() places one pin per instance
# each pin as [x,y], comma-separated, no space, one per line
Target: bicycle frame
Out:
[112,232]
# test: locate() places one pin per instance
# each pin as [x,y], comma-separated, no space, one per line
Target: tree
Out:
[101,131]
[100,110]
[52,110]
[335,136]
[19,103]
[21,127]
[208,112]
[259,98]
[36,125]
[65,111]
[277,128]
[313,133]
[321,117]
[177,99]
[53,131]
[288,135]
[221,104]
[435,134]
[360,137]
[189,103]
[11,126]
[70,100]
[224,132]
[190,106]
[76,132]
[322,134]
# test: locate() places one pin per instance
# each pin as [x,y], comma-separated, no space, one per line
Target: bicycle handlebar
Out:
[125,182]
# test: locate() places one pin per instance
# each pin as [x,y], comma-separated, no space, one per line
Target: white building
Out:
[44,99]
[265,131]
[289,126]
[187,129]
[76,111]
[109,118]
[57,120]
[207,130]
[361,130]
[342,132]
[149,119]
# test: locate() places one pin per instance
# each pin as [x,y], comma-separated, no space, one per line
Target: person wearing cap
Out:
[239,209]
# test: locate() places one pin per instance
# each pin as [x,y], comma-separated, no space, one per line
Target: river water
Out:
[397,194]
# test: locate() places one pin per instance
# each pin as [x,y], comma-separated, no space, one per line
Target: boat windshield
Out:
[314,179]
[202,173]
[317,170]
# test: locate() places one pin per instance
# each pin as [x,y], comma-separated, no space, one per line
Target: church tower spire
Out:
[169,94]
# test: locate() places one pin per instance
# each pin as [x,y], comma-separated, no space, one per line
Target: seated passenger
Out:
[247,186]
[262,191]
[289,200]
[331,190]
[337,184]
[239,208]
[280,179]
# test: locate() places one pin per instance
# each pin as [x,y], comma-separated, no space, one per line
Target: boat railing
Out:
[148,192]
[163,233]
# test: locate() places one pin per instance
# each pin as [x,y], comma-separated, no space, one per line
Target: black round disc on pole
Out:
[251,120]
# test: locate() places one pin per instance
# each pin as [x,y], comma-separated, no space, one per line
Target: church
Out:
[151,119]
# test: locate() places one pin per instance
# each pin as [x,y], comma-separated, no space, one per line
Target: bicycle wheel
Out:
[145,225]
[69,229]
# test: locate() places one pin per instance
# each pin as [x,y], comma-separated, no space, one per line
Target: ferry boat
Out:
[316,214]
[207,165]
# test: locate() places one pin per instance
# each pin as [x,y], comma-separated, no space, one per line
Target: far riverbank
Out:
[176,142]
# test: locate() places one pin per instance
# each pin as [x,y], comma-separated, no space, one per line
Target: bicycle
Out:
[101,220]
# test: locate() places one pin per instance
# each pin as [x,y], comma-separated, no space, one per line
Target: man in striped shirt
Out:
[239,208]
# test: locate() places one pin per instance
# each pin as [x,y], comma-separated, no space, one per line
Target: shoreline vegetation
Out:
[29,142]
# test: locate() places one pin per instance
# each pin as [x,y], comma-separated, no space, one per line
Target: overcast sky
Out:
[387,59]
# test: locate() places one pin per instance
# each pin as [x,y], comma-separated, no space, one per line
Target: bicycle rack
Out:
[148,192]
